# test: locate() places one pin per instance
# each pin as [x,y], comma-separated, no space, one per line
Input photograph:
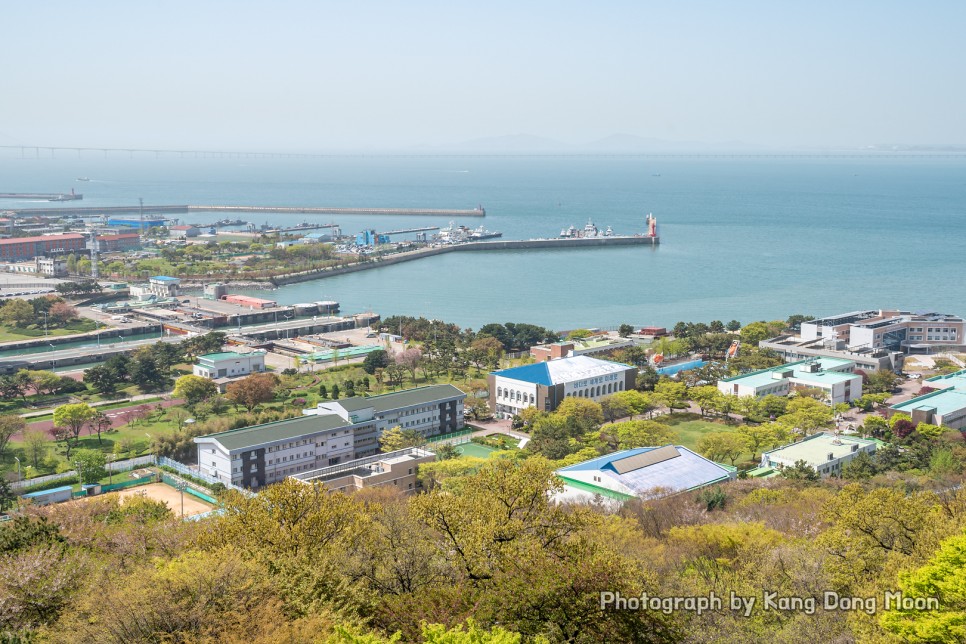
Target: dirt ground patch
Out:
[172,497]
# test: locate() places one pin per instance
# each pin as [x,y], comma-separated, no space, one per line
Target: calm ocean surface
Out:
[740,238]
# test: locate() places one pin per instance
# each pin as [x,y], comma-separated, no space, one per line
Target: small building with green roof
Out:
[947,406]
[229,364]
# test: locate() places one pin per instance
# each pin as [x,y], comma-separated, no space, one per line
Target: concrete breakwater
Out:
[301,210]
[520,244]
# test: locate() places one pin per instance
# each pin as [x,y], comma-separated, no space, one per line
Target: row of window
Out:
[513,394]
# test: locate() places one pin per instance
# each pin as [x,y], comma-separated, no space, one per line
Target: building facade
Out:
[889,329]
[25,248]
[397,470]
[824,452]
[834,376]
[586,347]
[52,266]
[545,385]
[437,409]
[256,456]
[946,406]
[120,242]
[229,364]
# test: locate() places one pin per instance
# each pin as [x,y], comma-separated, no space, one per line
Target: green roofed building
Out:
[947,406]
[824,452]
[835,376]
[333,433]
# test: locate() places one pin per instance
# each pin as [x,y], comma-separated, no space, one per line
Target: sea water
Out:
[741,238]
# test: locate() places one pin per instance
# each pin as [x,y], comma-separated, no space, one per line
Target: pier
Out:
[300,210]
[410,230]
[518,244]
[46,196]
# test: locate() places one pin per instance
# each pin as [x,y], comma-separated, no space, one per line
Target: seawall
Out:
[519,244]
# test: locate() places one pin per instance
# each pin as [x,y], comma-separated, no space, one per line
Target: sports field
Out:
[475,449]
[172,497]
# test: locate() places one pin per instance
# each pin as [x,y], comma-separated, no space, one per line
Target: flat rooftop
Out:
[823,377]
[815,449]
[943,402]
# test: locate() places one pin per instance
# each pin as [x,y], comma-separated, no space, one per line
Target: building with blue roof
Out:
[545,385]
[644,472]
[834,376]
[947,406]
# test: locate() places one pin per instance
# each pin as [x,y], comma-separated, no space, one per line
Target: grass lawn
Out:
[691,428]
[474,449]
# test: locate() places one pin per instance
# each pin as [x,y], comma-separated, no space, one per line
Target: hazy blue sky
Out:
[337,75]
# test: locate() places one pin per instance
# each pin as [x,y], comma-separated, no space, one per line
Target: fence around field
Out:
[189,471]
[113,487]
[114,467]
[176,482]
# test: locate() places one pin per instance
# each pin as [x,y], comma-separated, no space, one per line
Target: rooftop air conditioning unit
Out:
[831,456]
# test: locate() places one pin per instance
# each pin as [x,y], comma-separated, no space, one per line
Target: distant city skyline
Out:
[381,76]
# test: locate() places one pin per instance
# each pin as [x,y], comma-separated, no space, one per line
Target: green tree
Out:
[632,434]
[10,425]
[397,438]
[755,332]
[625,330]
[375,360]
[670,392]
[705,397]
[335,392]
[800,471]
[723,445]
[766,435]
[942,577]
[194,389]
[90,464]
[71,418]
[17,312]
[733,326]
[35,446]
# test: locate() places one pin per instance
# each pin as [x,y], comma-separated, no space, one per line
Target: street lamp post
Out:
[19,480]
[110,470]
[45,323]
[181,486]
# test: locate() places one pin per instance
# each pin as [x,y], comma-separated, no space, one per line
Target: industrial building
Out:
[251,302]
[545,385]
[26,248]
[120,242]
[834,376]
[644,472]
[137,222]
[947,406]
[341,431]
[394,469]
[229,364]
[824,452]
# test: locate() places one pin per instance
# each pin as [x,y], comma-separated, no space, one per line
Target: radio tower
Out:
[95,248]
